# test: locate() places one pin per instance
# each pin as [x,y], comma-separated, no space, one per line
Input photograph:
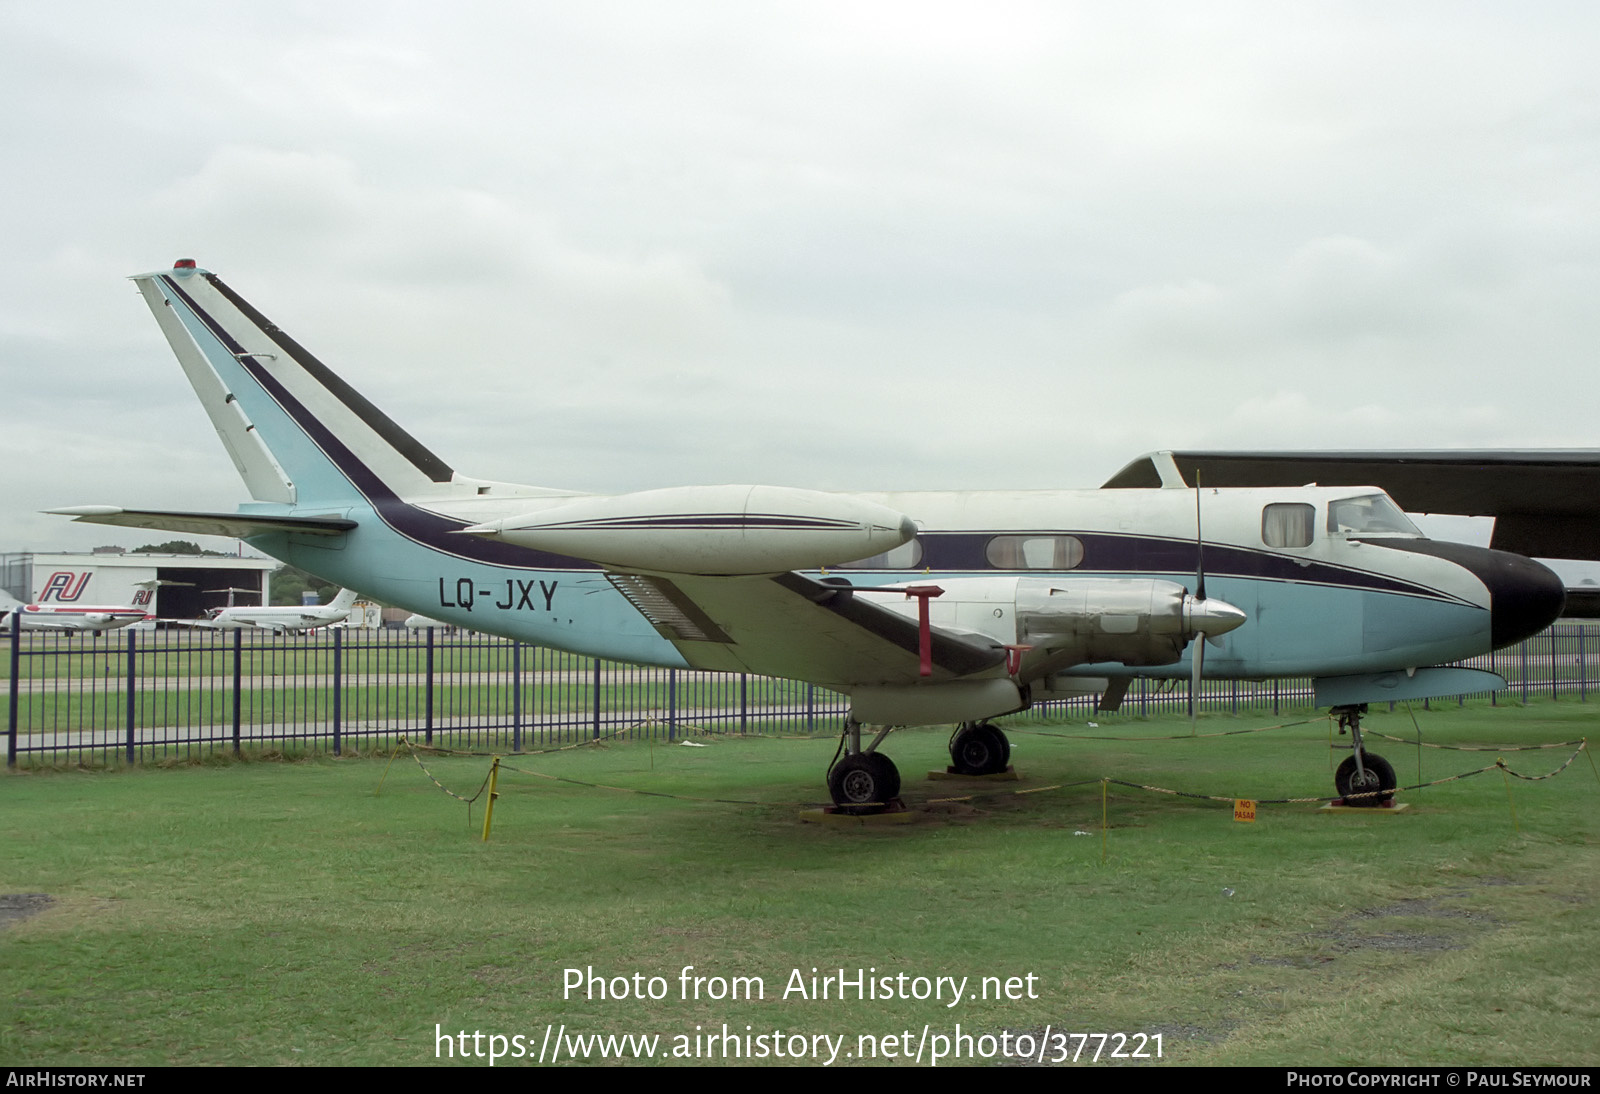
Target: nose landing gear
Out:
[1364,779]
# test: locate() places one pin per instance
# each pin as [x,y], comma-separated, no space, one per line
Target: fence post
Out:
[1583,669]
[238,679]
[16,686]
[1493,695]
[744,704]
[338,683]
[597,698]
[516,696]
[132,693]
[811,709]
[1553,674]
[672,704]
[427,690]
[1523,649]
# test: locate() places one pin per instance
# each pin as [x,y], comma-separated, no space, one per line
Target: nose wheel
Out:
[1364,779]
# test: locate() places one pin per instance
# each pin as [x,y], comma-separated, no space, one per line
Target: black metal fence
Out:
[138,695]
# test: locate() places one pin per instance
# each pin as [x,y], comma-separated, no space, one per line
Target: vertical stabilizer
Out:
[296,431]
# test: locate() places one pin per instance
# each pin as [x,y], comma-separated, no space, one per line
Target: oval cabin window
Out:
[1034,552]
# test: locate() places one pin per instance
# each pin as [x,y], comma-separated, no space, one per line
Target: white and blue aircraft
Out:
[924,608]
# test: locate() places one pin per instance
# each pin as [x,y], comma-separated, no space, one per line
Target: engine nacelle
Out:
[1083,620]
[1134,621]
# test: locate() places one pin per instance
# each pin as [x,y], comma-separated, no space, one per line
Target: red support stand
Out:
[924,593]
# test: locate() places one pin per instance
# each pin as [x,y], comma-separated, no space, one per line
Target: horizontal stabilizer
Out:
[1386,687]
[234,525]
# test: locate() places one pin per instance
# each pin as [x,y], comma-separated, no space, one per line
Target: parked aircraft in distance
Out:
[67,617]
[285,619]
[924,608]
[416,621]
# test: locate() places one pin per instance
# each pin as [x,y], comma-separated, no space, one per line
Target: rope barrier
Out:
[1580,747]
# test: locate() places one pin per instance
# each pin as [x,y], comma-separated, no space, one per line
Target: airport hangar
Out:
[166,586]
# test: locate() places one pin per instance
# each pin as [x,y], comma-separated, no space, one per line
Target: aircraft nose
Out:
[1525,596]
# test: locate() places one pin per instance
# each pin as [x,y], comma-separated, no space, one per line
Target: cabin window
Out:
[907,556]
[1373,513]
[1034,552]
[1288,524]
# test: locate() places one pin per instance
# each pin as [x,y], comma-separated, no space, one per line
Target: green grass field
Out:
[284,913]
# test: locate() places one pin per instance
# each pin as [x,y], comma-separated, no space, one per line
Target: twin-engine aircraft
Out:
[282,619]
[67,617]
[924,608]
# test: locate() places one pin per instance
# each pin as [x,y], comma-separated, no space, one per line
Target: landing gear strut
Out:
[863,780]
[979,748]
[1364,779]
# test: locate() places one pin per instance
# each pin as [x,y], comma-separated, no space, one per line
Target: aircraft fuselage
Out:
[1328,600]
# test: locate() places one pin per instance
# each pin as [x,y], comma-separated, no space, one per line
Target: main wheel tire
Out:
[980,750]
[1380,776]
[864,783]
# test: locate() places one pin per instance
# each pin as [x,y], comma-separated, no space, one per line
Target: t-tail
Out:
[344,601]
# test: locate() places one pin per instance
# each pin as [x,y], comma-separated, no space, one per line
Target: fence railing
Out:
[138,694]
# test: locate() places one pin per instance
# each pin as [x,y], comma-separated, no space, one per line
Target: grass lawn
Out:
[285,913]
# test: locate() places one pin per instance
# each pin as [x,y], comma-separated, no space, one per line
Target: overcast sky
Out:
[615,246]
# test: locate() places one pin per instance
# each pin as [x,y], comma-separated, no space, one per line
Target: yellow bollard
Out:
[488,812]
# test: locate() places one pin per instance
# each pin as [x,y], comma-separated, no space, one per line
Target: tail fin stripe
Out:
[408,446]
[348,463]
[419,525]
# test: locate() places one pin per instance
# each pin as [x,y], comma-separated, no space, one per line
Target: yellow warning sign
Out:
[1244,810]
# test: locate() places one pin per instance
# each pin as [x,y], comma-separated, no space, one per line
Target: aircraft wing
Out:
[795,626]
[1546,502]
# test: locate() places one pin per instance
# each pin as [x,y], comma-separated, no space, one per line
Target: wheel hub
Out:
[860,786]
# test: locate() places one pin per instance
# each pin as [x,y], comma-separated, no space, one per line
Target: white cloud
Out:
[620,245]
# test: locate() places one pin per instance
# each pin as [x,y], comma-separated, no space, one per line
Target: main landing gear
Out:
[1364,779]
[979,748]
[863,780]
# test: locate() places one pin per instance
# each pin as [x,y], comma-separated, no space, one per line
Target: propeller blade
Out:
[1195,667]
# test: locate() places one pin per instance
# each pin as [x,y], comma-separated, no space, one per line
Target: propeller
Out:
[1197,661]
[1206,619]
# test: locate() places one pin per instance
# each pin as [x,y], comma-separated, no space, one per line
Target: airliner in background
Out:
[67,617]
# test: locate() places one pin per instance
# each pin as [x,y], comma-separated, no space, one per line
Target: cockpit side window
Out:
[1372,514]
[1288,524]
